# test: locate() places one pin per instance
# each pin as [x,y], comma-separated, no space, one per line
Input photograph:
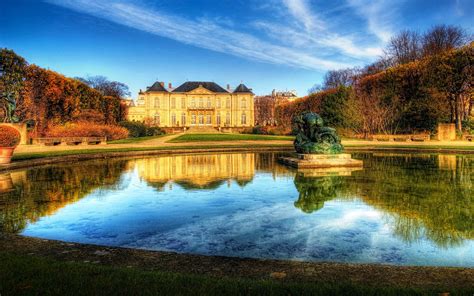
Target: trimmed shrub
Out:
[138,129]
[9,136]
[82,129]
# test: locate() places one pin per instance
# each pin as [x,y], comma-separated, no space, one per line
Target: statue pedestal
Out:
[21,127]
[313,161]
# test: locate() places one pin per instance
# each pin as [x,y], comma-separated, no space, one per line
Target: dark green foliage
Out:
[138,129]
[333,106]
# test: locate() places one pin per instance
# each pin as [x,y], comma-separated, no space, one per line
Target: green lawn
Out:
[36,155]
[134,140]
[227,137]
[20,275]
[415,147]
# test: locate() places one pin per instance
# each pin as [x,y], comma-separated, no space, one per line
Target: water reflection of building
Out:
[197,171]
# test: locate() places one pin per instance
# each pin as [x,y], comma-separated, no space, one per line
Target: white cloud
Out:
[206,33]
[294,35]
[301,11]
[379,15]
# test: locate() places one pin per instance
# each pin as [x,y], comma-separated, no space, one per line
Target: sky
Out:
[266,44]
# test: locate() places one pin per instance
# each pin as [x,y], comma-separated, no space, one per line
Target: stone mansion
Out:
[194,104]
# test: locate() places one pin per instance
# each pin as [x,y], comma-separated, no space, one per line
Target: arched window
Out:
[173,119]
[243,103]
[227,118]
[183,119]
[243,119]
[208,119]
[201,119]
[157,102]
[193,119]
[218,119]
[156,119]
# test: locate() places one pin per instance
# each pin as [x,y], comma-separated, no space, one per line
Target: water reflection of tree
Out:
[423,199]
[314,191]
[42,191]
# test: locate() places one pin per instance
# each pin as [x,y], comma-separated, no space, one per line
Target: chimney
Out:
[162,83]
[228,87]
[170,86]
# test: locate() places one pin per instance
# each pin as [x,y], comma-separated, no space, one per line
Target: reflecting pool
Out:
[403,209]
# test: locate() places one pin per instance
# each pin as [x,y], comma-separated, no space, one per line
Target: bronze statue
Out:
[10,108]
[313,137]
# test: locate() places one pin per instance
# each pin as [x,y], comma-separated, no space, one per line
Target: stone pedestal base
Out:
[313,161]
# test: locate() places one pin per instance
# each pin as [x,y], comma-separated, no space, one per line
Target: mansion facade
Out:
[194,103]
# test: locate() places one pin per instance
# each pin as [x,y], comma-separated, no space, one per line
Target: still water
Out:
[403,209]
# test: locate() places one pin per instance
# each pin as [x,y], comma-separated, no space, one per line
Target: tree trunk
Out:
[457,112]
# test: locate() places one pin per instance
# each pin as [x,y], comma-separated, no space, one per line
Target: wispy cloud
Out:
[301,11]
[379,15]
[206,34]
[302,40]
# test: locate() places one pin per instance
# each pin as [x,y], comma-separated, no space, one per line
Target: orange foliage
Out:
[312,102]
[9,136]
[84,129]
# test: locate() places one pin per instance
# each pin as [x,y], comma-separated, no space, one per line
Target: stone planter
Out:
[6,154]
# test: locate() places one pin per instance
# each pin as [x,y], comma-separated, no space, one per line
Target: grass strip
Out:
[135,140]
[37,155]
[227,137]
[30,275]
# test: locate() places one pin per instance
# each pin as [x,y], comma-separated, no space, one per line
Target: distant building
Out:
[265,106]
[287,95]
[194,103]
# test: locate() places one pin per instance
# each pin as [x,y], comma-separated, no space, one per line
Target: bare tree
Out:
[106,87]
[337,78]
[442,38]
[405,47]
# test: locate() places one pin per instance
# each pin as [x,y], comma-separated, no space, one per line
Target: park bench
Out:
[70,141]
[400,138]
[469,138]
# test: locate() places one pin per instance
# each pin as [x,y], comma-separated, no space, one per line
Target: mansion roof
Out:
[192,85]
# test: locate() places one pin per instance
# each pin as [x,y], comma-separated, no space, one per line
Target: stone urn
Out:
[9,139]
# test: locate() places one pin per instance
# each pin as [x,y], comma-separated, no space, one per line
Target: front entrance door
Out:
[201,118]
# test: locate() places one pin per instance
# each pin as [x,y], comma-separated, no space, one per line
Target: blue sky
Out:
[282,44]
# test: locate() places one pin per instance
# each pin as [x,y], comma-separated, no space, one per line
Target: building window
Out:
[227,118]
[244,103]
[218,102]
[183,119]
[201,119]
[183,103]
[193,119]
[218,119]
[208,103]
[227,103]
[157,102]
[156,120]
[173,119]
[201,102]
[243,119]
[173,103]
[193,102]
[208,119]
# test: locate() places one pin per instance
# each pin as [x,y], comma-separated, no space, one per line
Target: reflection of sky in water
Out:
[258,220]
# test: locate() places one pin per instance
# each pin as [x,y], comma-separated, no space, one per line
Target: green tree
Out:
[12,77]
[452,74]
